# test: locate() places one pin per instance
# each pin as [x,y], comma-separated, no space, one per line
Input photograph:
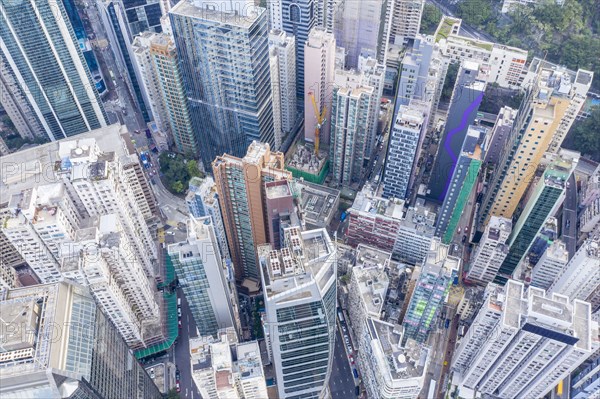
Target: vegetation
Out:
[177,171]
[449,82]
[172,394]
[430,19]
[584,136]
[496,97]
[568,35]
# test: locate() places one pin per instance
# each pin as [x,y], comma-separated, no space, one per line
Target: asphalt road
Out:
[341,381]
[569,217]
[182,350]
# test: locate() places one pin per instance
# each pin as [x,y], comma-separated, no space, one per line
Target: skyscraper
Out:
[580,279]
[299,286]
[296,18]
[404,17]
[204,278]
[407,133]
[433,284]
[544,117]
[318,75]
[241,189]
[45,63]
[173,95]
[521,345]
[350,118]
[224,368]
[550,265]
[547,195]
[466,97]
[282,47]
[69,348]
[491,251]
[224,62]
[360,28]
[460,187]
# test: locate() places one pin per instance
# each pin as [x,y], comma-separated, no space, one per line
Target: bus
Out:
[432,387]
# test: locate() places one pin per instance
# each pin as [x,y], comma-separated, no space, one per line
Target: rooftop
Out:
[400,362]
[366,201]
[199,9]
[26,169]
[371,278]
[278,189]
[248,360]
[317,202]
[306,256]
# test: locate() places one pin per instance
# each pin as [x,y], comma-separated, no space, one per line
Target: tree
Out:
[475,12]
[585,135]
[173,394]
[430,19]
[178,187]
[193,170]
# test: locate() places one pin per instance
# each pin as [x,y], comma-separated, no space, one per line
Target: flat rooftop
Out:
[194,9]
[248,360]
[278,189]
[317,202]
[27,168]
[403,362]
[371,277]
[367,202]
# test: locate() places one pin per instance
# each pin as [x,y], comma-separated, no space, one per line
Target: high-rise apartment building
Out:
[318,75]
[415,71]
[546,114]
[204,278]
[296,18]
[361,28]
[224,368]
[381,223]
[368,287]
[229,108]
[407,133]
[47,71]
[241,190]
[282,56]
[404,18]
[432,286]
[460,187]
[280,211]
[299,286]
[550,265]
[350,119]
[374,76]
[202,200]
[88,225]
[590,201]
[521,345]
[149,78]
[466,97]
[391,369]
[491,251]
[499,135]
[547,195]
[580,279]
[65,346]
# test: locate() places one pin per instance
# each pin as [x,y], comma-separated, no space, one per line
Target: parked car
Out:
[152,373]
[178,387]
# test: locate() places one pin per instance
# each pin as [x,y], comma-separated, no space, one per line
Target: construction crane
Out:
[320,120]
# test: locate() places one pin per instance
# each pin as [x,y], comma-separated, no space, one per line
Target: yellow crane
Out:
[320,120]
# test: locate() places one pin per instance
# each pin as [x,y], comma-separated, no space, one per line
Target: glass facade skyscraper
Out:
[224,61]
[44,58]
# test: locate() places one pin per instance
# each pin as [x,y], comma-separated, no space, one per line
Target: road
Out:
[569,217]
[119,103]
[182,350]
[465,29]
[341,381]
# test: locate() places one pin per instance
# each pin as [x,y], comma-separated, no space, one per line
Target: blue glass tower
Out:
[224,63]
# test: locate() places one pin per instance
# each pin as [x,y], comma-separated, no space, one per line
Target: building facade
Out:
[204,278]
[550,265]
[241,191]
[229,108]
[86,357]
[522,344]
[491,251]
[45,63]
[430,292]
[299,285]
